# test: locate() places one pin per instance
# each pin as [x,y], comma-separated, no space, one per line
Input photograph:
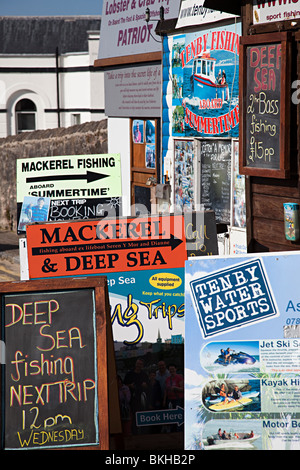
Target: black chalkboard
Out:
[265,69]
[201,233]
[263,106]
[51,392]
[215,181]
[142,200]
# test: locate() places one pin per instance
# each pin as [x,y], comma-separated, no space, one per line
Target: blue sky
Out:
[50,7]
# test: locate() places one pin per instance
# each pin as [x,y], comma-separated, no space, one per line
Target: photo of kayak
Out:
[217,399]
[222,395]
[232,404]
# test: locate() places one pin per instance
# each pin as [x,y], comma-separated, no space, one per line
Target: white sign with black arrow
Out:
[74,186]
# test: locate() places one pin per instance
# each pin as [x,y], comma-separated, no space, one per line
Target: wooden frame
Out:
[102,329]
[283,170]
[142,176]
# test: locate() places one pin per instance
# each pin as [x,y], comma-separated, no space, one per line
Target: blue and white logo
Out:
[233,297]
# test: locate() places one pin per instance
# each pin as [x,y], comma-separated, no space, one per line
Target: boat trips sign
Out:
[205,81]
[105,246]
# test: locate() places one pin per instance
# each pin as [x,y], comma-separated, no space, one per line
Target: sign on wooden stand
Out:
[58,343]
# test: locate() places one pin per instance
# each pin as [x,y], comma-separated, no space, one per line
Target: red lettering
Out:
[264,78]
[228,38]
[215,126]
[271,56]
[254,61]
[272,80]
[257,81]
[263,56]
[212,126]
[278,56]
[188,53]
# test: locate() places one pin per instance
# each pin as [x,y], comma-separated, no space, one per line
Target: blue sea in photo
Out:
[225,61]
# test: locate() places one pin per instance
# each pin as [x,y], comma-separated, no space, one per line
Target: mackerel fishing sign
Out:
[75,176]
[74,187]
[95,247]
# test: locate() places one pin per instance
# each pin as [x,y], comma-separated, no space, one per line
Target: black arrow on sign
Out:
[90,176]
[171,242]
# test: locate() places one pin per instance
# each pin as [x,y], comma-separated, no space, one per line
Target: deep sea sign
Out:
[232,298]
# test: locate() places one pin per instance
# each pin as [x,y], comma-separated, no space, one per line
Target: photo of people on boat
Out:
[232,435]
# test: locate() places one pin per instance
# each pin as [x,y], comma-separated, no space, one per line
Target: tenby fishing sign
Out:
[205,84]
[109,245]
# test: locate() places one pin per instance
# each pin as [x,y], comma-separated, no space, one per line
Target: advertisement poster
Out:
[124,30]
[242,351]
[71,187]
[143,259]
[278,10]
[108,245]
[147,314]
[238,191]
[205,71]
[184,175]
[193,13]
[133,91]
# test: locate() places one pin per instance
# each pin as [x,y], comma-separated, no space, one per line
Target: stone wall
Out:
[83,139]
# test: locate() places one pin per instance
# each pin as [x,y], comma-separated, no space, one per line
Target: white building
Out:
[47,74]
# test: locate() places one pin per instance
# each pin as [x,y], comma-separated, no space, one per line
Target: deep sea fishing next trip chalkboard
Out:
[51,372]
